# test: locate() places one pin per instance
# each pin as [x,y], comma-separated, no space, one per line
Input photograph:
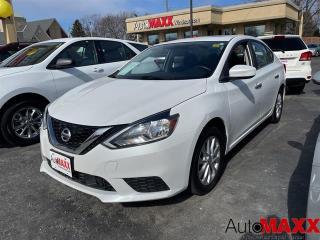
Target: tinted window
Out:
[129,53]
[81,53]
[111,51]
[285,44]
[5,54]
[262,54]
[175,61]
[32,55]
[140,47]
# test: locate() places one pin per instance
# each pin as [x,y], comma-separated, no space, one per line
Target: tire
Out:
[317,54]
[198,183]
[277,109]
[19,116]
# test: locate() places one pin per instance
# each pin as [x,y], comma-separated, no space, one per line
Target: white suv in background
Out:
[165,121]
[44,71]
[295,55]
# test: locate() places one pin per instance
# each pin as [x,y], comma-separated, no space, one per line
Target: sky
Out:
[66,11]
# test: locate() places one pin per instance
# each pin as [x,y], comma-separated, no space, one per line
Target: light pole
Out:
[167,6]
[191,19]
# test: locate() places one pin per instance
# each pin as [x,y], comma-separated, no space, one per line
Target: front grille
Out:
[147,184]
[79,133]
[88,180]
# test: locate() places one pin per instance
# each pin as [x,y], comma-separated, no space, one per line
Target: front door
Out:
[84,66]
[242,93]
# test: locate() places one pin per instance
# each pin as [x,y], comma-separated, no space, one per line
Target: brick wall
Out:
[309,40]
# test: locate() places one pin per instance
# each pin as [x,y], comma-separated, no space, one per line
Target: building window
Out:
[229,31]
[171,36]
[255,31]
[153,39]
[188,35]
[290,28]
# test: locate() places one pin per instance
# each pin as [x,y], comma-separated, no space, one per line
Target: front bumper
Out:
[168,159]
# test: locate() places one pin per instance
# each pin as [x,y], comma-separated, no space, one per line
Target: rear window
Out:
[140,47]
[285,44]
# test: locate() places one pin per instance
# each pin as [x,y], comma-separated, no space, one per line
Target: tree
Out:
[77,29]
[111,25]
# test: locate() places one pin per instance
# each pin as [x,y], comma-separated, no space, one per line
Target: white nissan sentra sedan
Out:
[165,121]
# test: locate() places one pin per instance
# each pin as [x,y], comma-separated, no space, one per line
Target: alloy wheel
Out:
[26,122]
[279,105]
[209,160]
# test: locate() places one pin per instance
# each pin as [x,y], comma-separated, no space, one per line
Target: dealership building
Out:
[256,19]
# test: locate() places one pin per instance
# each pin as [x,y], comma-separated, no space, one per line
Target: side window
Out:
[262,54]
[111,51]
[239,55]
[129,53]
[81,53]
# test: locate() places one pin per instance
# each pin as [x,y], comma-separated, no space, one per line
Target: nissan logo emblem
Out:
[66,135]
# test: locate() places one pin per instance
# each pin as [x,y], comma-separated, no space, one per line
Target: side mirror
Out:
[242,72]
[63,63]
[316,78]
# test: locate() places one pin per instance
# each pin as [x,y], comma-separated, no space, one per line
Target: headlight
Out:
[151,129]
[45,118]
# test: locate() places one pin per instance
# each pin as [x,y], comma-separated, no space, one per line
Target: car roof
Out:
[76,39]
[220,38]
[285,36]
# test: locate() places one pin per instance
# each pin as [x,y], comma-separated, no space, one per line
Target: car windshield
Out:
[189,60]
[285,44]
[31,55]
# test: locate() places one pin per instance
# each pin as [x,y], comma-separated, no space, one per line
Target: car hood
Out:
[110,101]
[4,71]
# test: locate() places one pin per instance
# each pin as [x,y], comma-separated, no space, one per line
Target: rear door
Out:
[288,50]
[268,75]
[112,55]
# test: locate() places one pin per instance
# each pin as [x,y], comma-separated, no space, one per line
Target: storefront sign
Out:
[163,22]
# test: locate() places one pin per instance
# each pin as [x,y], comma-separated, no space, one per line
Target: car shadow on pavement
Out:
[186,195]
[298,189]
[3,144]
[316,91]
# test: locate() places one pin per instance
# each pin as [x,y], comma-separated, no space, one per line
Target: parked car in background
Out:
[44,71]
[10,49]
[295,55]
[314,49]
[165,121]
[316,78]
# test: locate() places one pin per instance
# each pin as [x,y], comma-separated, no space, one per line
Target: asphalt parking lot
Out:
[267,176]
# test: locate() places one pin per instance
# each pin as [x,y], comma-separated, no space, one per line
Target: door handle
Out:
[98,70]
[276,76]
[258,85]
